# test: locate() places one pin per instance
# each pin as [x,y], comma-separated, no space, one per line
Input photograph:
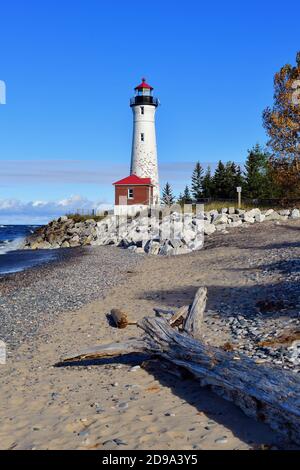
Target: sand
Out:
[124,405]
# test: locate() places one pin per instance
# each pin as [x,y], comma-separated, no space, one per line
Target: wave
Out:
[11,245]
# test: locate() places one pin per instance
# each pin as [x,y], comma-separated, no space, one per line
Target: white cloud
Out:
[14,211]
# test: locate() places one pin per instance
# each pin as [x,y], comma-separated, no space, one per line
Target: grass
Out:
[77,217]
[218,205]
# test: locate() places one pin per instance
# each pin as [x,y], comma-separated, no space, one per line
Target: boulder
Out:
[269,212]
[236,223]
[221,227]
[220,219]
[209,228]
[284,212]
[274,216]
[259,217]
[295,214]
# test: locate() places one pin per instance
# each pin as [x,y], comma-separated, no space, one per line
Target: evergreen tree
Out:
[258,183]
[219,180]
[180,199]
[187,198]
[197,182]
[167,195]
[239,180]
[208,184]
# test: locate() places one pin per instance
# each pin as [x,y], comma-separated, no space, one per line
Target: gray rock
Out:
[209,228]
[295,214]
[220,219]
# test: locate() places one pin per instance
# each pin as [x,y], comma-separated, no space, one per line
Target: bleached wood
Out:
[179,317]
[107,350]
[266,393]
[194,319]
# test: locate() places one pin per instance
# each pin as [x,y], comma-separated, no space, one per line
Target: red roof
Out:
[143,85]
[134,180]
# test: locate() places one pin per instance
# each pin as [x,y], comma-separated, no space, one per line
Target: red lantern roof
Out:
[134,180]
[143,85]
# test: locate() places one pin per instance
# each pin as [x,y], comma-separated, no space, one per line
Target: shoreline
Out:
[32,298]
[98,404]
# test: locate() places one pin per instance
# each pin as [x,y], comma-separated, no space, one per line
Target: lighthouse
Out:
[144,150]
[141,188]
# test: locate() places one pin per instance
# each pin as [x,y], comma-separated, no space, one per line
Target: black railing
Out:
[144,100]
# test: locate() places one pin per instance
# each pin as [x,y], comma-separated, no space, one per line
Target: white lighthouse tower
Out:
[144,151]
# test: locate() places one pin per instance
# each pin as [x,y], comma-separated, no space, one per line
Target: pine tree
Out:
[187,198]
[257,178]
[238,180]
[197,182]
[208,184]
[167,196]
[219,180]
[180,199]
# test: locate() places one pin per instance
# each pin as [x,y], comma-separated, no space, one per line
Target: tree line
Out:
[267,174]
[256,181]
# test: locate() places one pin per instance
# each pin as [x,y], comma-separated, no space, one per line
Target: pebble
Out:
[221,440]
[134,368]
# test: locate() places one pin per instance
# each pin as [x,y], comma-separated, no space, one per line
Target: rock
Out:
[231,210]
[269,212]
[132,248]
[123,406]
[222,227]
[221,440]
[153,248]
[285,212]
[63,218]
[259,217]
[42,245]
[237,223]
[182,250]
[295,214]
[75,241]
[220,219]
[224,210]
[209,228]
[249,216]
[274,216]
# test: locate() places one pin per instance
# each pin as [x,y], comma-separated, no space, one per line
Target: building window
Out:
[130,193]
[142,137]
[142,110]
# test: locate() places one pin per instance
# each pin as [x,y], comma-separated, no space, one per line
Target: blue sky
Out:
[70,68]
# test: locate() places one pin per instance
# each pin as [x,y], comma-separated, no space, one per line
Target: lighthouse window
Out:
[130,193]
[142,137]
[142,109]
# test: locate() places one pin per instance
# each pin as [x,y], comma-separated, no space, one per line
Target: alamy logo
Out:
[2,92]
[2,353]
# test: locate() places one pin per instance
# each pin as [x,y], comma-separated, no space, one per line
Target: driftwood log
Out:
[266,393]
[120,318]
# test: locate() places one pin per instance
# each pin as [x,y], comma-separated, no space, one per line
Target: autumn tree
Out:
[282,123]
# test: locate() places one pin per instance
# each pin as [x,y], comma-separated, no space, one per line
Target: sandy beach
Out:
[137,403]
